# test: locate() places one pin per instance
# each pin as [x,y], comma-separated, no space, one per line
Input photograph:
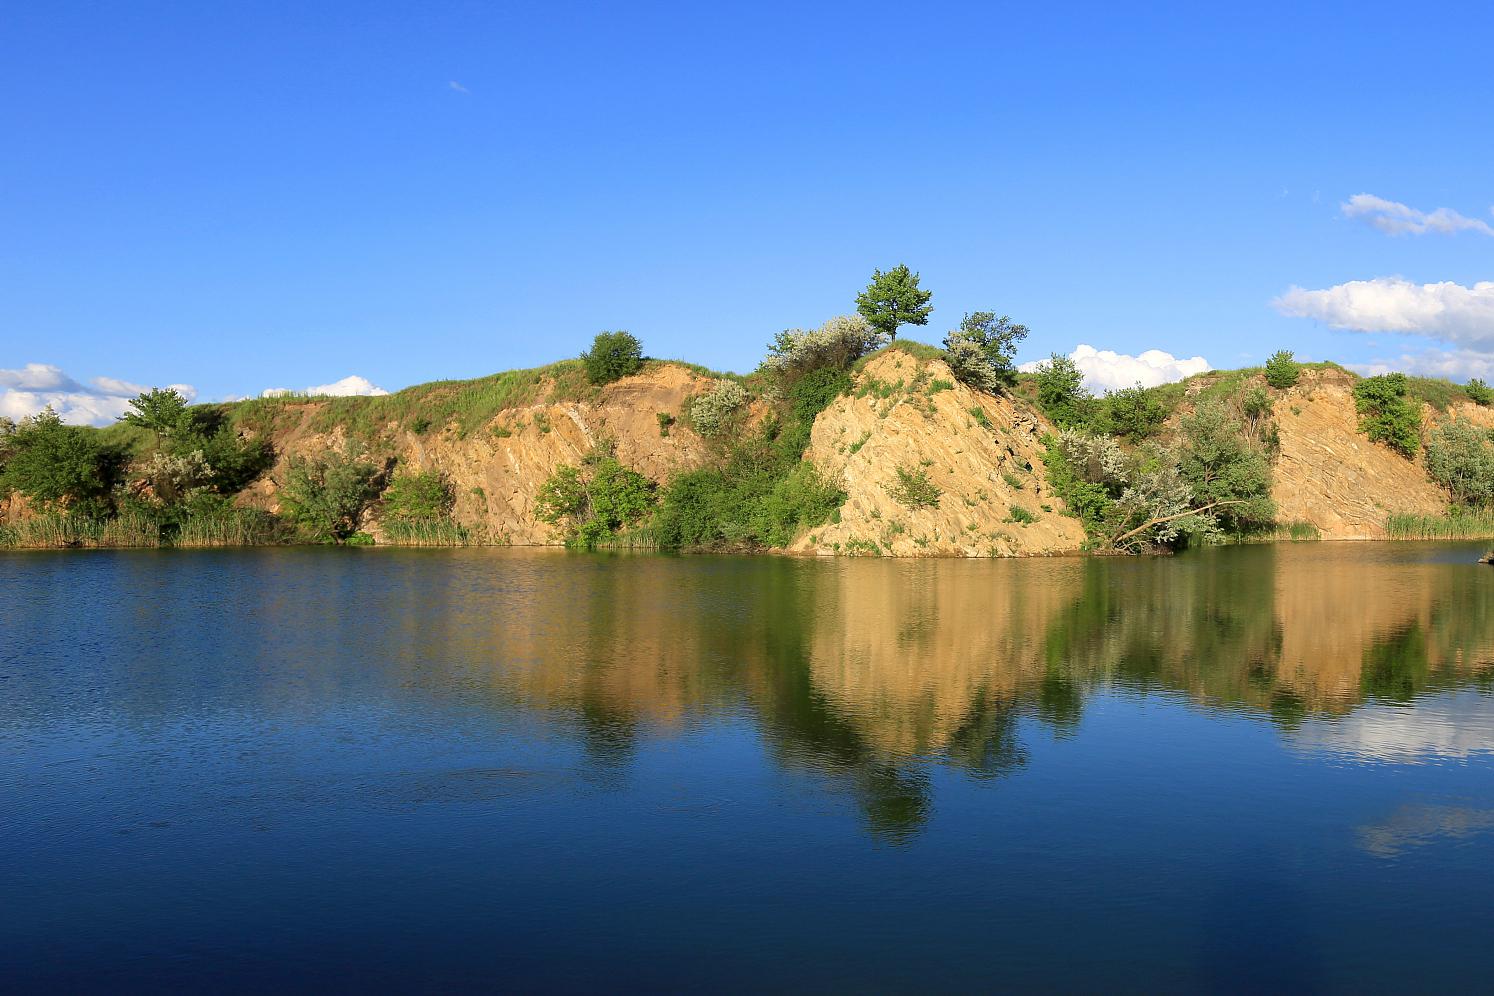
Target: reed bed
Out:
[1455,526]
[430,532]
[231,527]
[52,530]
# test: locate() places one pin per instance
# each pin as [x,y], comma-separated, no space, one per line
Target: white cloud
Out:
[1106,370]
[458,87]
[348,387]
[1394,218]
[1454,364]
[33,387]
[1446,311]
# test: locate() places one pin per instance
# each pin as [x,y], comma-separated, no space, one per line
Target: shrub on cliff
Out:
[1460,457]
[1386,416]
[424,496]
[1133,413]
[1479,392]
[1282,370]
[1061,393]
[982,350]
[712,413]
[613,355]
[325,498]
[592,502]
[835,345]
[1221,465]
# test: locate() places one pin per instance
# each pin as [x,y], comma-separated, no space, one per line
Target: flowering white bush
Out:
[711,413]
[837,344]
[969,363]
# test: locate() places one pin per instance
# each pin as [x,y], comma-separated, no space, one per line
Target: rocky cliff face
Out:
[980,452]
[497,469]
[1330,475]
[981,455]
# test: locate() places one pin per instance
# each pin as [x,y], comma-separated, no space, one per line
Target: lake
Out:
[1237,769]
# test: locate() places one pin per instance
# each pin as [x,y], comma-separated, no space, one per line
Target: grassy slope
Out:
[466,404]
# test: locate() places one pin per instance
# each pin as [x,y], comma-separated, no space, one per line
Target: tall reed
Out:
[1456,526]
[429,532]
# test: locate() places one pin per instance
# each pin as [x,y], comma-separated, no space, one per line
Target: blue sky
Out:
[244,196]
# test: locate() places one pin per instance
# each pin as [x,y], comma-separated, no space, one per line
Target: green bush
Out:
[593,502]
[914,489]
[1061,393]
[59,466]
[1256,403]
[1479,392]
[1282,370]
[326,498]
[1133,413]
[1385,416]
[1460,457]
[1022,515]
[1221,465]
[1087,472]
[613,355]
[421,496]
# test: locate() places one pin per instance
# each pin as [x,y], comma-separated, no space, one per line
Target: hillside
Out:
[891,455]
[905,411]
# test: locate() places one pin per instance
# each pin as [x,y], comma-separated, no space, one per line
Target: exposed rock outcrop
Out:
[497,469]
[1330,475]
[982,453]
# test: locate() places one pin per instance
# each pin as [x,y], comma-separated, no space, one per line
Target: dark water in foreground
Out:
[1243,769]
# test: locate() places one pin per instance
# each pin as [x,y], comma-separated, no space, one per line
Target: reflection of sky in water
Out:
[1453,726]
[1414,826]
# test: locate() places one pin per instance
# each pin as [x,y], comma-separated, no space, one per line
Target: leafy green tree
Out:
[1061,393]
[325,498]
[161,410]
[425,496]
[1221,466]
[1133,413]
[594,501]
[1386,416]
[981,352]
[893,299]
[1282,370]
[613,355]
[1460,457]
[1479,392]
[60,466]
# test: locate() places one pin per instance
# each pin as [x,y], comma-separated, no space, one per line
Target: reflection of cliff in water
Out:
[863,668]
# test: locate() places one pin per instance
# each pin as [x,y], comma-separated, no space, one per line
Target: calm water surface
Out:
[1241,769]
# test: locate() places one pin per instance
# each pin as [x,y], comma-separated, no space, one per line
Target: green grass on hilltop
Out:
[468,405]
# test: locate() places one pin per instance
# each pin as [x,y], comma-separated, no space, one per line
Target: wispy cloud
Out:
[33,387]
[1447,311]
[1395,218]
[1106,370]
[348,387]
[458,87]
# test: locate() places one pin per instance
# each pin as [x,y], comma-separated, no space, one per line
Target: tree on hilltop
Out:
[893,299]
